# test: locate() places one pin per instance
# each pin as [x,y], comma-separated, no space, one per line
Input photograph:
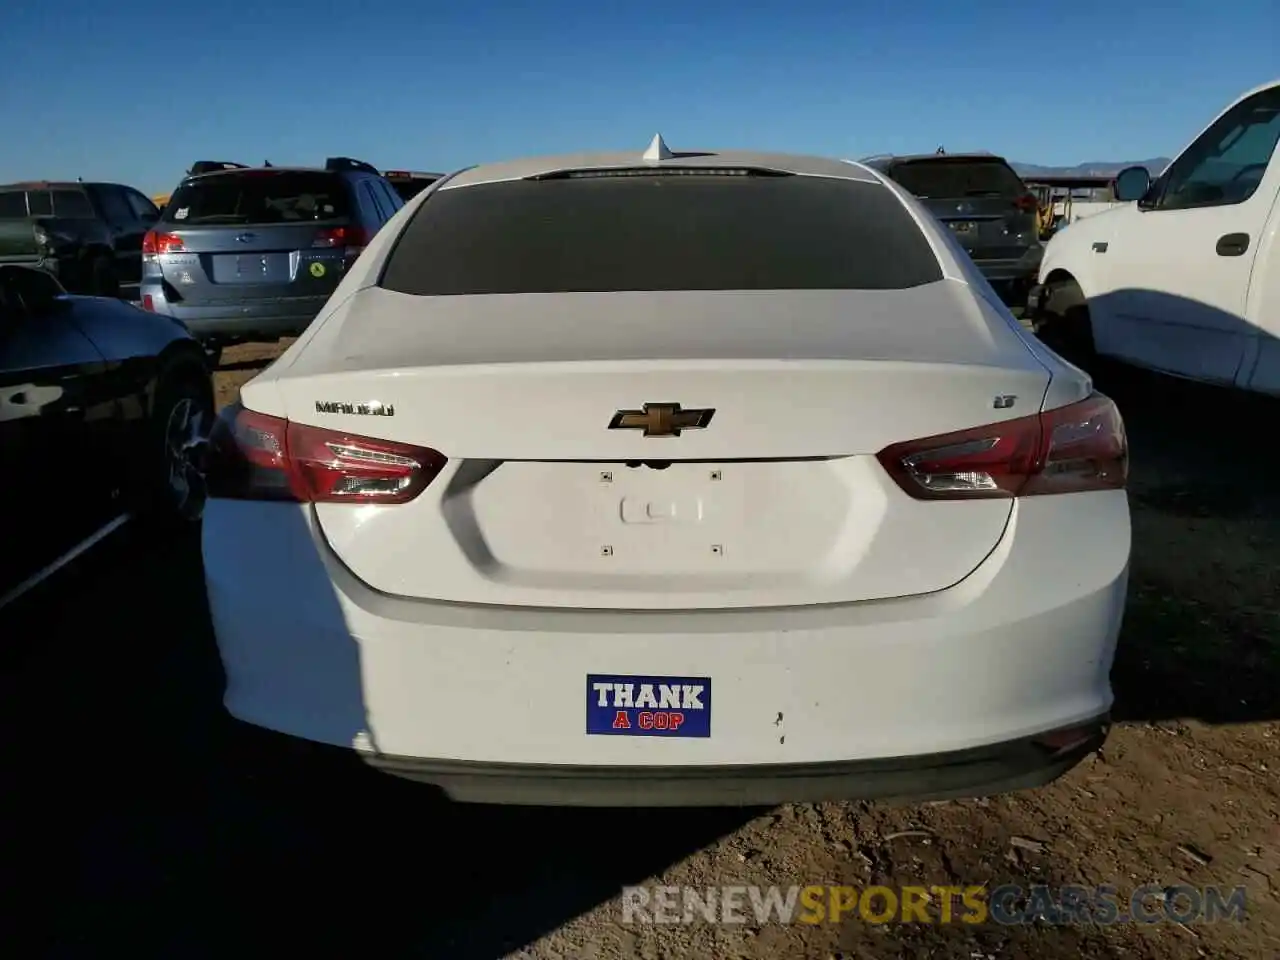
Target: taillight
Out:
[156,243]
[148,303]
[1027,203]
[350,240]
[1078,447]
[341,237]
[256,457]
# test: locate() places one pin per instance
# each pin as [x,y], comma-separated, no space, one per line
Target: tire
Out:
[103,281]
[171,488]
[1065,326]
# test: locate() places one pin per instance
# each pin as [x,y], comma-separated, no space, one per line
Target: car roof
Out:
[214,174]
[57,185]
[914,157]
[799,164]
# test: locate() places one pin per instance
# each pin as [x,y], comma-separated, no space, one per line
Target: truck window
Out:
[13,205]
[1225,165]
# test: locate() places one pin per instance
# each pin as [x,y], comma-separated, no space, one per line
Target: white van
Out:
[1186,280]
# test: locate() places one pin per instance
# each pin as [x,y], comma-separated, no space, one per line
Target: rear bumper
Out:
[1021,269]
[241,320]
[934,695]
[1000,768]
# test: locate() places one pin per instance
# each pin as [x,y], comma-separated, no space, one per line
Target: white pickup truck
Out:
[1186,280]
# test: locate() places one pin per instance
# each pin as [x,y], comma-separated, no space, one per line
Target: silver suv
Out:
[253,253]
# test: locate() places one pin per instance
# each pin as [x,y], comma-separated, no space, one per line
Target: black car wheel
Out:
[174,488]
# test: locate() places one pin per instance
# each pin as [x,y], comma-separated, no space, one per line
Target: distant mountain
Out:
[1097,168]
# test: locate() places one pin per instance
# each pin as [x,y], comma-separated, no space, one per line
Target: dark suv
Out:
[253,253]
[88,235]
[410,183]
[987,206]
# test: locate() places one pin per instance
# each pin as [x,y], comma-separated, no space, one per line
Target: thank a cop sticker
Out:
[622,705]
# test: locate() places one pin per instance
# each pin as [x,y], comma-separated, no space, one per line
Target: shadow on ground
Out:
[1201,638]
[141,824]
[239,365]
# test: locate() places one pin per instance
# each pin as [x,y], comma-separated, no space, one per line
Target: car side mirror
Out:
[1132,183]
[33,291]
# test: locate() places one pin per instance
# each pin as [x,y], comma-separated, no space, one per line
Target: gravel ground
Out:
[136,825]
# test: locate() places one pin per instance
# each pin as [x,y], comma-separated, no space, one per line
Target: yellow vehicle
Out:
[1063,200]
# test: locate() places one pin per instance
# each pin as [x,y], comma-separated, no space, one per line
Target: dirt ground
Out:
[167,843]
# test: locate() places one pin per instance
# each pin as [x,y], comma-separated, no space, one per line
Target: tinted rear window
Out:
[408,189]
[73,204]
[647,233]
[259,197]
[951,179]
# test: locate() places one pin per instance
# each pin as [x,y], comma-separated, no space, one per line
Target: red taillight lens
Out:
[341,237]
[256,457]
[350,240]
[1075,448]
[1027,203]
[155,243]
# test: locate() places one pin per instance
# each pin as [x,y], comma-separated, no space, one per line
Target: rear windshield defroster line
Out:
[660,233]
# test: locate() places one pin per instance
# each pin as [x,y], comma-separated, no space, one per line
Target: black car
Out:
[87,235]
[253,253]
[987,206]
[103,410]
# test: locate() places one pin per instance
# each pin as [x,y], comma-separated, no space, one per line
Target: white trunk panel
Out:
[778,500]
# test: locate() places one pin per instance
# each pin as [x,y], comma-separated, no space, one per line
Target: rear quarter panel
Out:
[137,346]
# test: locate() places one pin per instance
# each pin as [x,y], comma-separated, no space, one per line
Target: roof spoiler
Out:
[209,166]
[346,163]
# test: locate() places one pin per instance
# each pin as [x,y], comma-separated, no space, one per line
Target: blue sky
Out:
[135,93]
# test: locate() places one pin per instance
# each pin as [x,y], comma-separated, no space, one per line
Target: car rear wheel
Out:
[175,442]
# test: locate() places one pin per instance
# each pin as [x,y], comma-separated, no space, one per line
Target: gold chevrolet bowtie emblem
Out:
[661,419]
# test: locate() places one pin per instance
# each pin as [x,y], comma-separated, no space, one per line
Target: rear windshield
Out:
[70,204]
[408,189]
[951,179]
[648,233]
[259,197]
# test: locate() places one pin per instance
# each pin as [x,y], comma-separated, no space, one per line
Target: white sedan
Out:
[672,479]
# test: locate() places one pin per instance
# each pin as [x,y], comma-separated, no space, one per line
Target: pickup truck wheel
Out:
[1064,324]
[103,281]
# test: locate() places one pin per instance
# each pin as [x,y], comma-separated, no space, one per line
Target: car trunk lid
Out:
[556,494]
